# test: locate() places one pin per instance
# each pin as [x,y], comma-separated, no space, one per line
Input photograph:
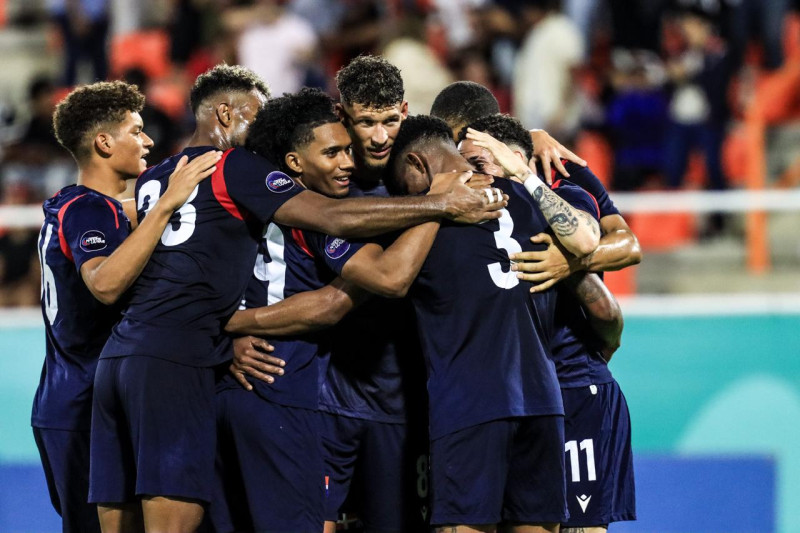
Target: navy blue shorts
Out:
[269,466]
[65,458]
[381,468]
[504,470]
[599,462]
[153,430]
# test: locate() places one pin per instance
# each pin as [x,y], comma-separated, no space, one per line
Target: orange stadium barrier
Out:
[148,50]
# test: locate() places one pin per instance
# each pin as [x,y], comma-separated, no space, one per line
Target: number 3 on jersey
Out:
[181,224]
[504,240]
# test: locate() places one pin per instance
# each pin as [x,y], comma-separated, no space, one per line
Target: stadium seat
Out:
[148,50]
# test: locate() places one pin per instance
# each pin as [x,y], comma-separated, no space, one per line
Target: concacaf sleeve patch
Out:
[279,182]
[93,241]
[336,247]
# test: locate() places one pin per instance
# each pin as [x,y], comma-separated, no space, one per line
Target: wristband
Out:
[532,182]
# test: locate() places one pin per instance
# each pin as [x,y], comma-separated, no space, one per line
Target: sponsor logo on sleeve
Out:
[336,247]
[279,182]
[93,241]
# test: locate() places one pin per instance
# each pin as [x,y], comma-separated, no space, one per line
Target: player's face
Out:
[244,107]
[480,158]
[373,131]
[131,146]
[327,161]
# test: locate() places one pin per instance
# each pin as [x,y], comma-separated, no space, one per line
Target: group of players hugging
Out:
[329,306]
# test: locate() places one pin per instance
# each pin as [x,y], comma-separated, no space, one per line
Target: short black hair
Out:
[505,129]
[85,110]
[370,81]
[414,131]
[287,123]
[463,102]
[225,78]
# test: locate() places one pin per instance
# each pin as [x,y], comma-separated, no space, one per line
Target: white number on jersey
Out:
[505,280]
[49,293]
[571,447]
[271,267]
[176,232]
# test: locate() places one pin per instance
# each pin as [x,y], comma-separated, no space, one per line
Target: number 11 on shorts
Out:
[571,448]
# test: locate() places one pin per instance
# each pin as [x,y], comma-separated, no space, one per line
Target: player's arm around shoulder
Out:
[108,276]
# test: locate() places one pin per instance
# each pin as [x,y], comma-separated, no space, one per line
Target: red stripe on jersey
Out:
[113,210]
[300,239]
[556,184]
[62,241]
[221,190]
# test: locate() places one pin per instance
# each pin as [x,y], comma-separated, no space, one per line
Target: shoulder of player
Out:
[584,177]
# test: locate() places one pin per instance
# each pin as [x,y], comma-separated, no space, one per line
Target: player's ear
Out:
[340,111]
[292,160]
[104,144]
[415,162]
[404,109]
[224,115]
[519,154]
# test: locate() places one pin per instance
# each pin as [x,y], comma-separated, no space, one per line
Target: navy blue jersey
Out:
[198,272]
[576,348]
[376,365]
[484,336]
[291,261]
[79,224]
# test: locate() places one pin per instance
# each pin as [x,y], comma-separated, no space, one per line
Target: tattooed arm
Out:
[578,231]
[605,316]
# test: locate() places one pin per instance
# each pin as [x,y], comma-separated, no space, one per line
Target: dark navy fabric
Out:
[292,261]
[152,430]
[484,336]
[598,456]
[380,469]
[503,470]
[576,348]
[376,371]
[269,466]
[65,458]
[79,224]
[200,268]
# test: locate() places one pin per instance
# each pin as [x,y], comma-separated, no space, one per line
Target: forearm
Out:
[109,279]
[605,316]
[574,229]
[616,251]
[299,314]
[391,272]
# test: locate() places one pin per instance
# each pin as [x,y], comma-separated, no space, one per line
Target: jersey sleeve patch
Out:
[93,241]
[279,182]
[336,247]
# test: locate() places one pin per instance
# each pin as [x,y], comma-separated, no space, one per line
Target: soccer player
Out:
[88,261]
[153,442]
[600,483]
[283,492]
[463,102]
[496,416]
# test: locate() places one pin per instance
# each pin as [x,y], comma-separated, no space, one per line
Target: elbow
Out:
[585,245]
[106,295]
[394,287]
[635,256]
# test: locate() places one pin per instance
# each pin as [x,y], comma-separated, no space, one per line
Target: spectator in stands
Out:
[84,28]
[19,265]
[698,109]
[544,86]
[36,160]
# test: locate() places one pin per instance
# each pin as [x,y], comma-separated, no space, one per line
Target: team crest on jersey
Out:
[336,247]
[279,182]
[93,241]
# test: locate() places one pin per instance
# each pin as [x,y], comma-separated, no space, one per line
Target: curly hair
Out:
[370,81]
[505,129]
[87,109]
[225,78]
[414,131]
[287,123]
[463,102]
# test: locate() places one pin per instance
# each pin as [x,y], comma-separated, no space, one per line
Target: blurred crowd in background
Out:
[651,92]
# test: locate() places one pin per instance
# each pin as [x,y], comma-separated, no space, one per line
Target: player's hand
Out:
[465,204]
[251,357]
[544,268]
[549,152]
[186,176]
[512,164]
[480,181]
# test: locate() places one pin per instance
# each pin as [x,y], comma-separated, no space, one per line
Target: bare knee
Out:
[171,515]
[120,517]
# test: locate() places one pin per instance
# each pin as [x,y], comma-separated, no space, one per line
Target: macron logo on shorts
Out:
[279,182]
[336,247]
[93,241]
[583,501]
